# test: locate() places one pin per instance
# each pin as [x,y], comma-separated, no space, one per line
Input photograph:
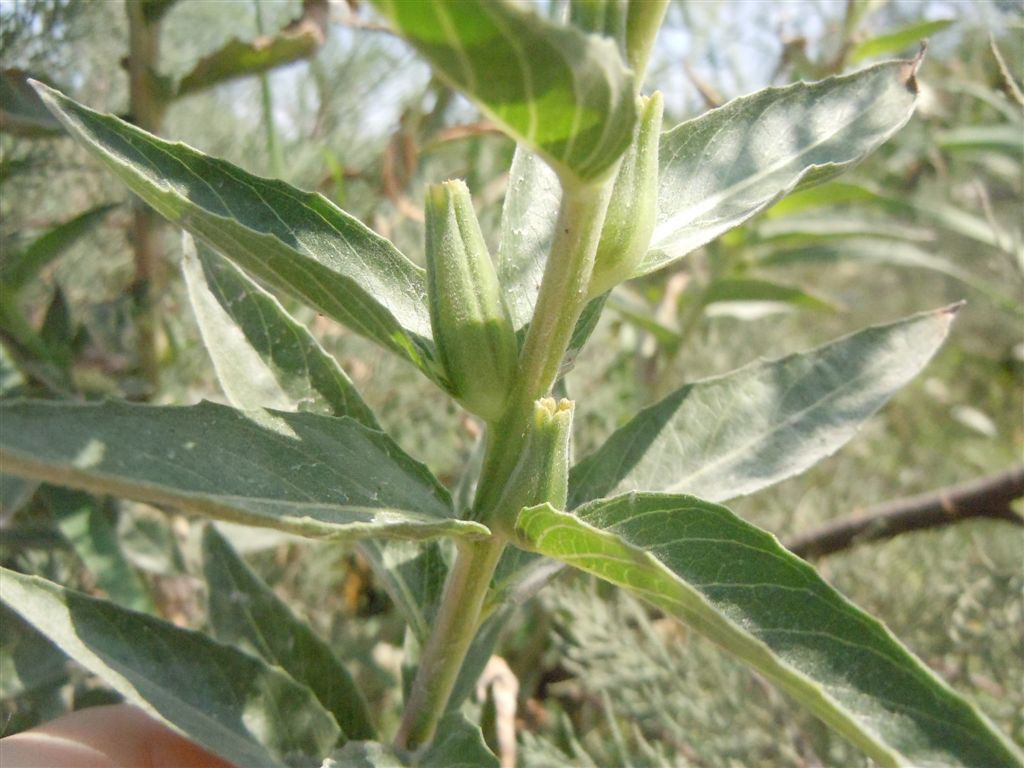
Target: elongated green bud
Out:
[542,472]
[631,212]
[471,324]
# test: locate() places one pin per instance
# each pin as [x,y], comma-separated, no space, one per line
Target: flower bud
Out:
[630,219]
[542,473]
[471,324]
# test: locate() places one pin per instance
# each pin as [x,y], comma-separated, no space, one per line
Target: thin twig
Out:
[1009,83]
[987,497]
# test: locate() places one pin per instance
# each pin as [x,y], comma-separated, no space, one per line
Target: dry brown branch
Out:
[987,497]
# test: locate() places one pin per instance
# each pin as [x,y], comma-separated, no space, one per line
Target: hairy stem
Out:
[147,109]
[562,297]
[267,101]
[453,631]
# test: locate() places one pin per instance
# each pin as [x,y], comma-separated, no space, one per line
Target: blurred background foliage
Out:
[933,218]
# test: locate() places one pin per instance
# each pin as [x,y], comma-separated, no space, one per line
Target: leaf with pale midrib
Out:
[245,613]
[737,585]
[566,94]
[225,302]
[725,166]
[298,472]
[735,434]
[295,241]
[230,703]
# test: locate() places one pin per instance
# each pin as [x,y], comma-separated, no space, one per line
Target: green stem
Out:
[147,109]
[563,295]
[267,99]
[454,628]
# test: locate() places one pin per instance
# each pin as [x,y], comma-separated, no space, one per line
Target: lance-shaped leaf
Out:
[245,613]
[459,744]
[874,252]
[413,576]
[252,338]
[240,58]
[897,41]
[232,704]
[735,434]
[528,218]
[566,94]
[736,584]
[83,520]
[297,472]
[20,267]
[21,111]
[723,167]
[262,356]
[295,241]
[29,663]
[752,291]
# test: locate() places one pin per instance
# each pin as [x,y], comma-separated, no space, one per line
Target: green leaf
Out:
[412,575]
[528,219]
[458,744]
[829,193]
[635,310]
[364,754]
[28,661]
[736,584]
[274,361]
[26,348]
[567,95]
[868,251]
[296,369]
[21,267]
[835,224]
[246,614]
[735,434]
[58,329]
[230,703]
[295,241]
[937,214]
[240,58]
[15,493]
[725,166]
[84,522]
[297,472]
[898,41]
[21,111]
[745,289]
[1003,138]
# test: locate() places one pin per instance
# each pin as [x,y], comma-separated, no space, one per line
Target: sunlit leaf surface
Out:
[723,167]
[298,472]
[565,94]
[229,702]
[737,585]
[735,434]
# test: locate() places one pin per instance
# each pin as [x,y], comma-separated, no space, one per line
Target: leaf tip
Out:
[908,72]
[953,309]
[46,93]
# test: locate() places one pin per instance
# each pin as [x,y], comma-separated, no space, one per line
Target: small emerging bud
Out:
[633,207]
[471,324]
[542,473]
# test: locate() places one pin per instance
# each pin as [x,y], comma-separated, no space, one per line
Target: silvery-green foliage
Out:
[299,450]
